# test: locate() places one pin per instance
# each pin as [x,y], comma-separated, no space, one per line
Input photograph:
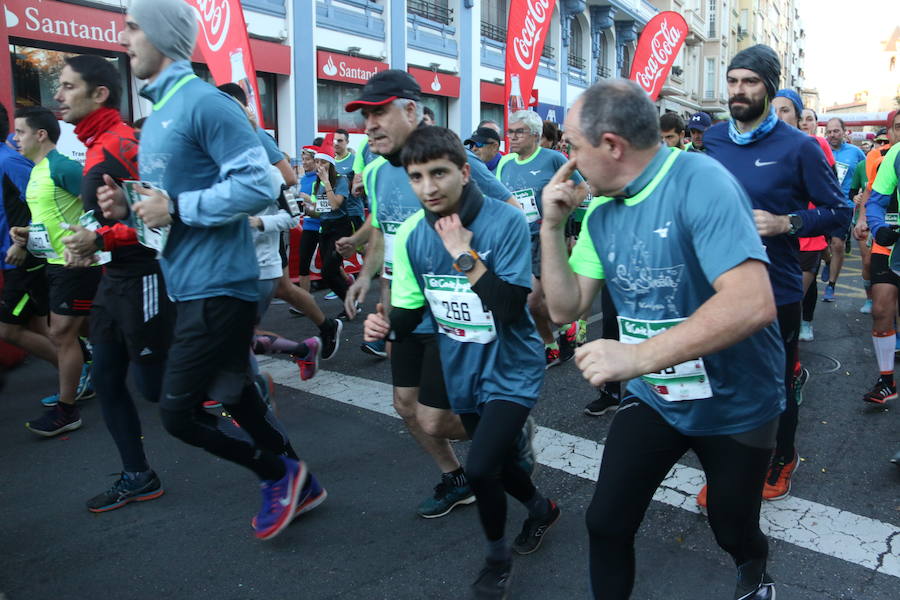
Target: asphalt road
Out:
[365,541]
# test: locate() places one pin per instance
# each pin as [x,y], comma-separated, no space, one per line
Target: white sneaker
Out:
[806,331]
[866,308]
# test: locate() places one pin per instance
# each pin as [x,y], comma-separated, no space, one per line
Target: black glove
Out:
[887,236]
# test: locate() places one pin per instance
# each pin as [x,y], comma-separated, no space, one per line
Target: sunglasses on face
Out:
[881,141]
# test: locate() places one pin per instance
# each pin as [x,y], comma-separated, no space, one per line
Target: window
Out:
[433,10]
[492,112]
[626,61]
[438,104]
[332,96]
[711,17]
[709,87]
[493,19]
[576,45]
[267,93]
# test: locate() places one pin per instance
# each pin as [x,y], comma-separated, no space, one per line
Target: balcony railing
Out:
[548,51]
[493,32]
[576,62]
[603,72]
[432,11]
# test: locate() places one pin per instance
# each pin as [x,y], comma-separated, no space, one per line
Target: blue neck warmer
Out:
[762,130]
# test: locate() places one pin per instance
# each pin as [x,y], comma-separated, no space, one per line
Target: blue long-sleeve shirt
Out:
[782,173]
[15,170]
[199,147]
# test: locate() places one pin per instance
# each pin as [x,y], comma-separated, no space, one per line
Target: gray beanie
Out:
[763,61]
[170,25]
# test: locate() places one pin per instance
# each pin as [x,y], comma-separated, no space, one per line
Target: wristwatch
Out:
[465,262]
[796,224]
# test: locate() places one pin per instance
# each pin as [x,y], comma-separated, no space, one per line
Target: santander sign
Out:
[659,44]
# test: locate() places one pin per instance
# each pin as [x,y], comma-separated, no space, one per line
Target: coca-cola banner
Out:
[659,44]
[225,44]
[527,28]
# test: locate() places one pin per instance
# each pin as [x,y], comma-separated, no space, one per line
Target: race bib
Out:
[685,381]
[39,242]
[90,222]
[389,229]
[528,202]
[458,310]
[841,170]
[892,218]
[323,206]
[151,237]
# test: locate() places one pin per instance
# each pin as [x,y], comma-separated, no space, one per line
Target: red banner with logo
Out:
[225,44]
[526,30]
[659,44]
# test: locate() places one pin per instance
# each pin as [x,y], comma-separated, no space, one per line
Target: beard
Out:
[750,112]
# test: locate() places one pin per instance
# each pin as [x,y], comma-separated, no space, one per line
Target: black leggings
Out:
[610,331]
[111,362]
[809,301]
[307,251]
[332,262]
[789,323]
[491,467]
[640,449]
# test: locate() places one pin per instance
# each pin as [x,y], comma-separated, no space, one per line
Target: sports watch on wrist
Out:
[796,222]
[465,262]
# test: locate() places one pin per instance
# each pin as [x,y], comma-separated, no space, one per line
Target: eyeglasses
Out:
[881,141]
[518,132]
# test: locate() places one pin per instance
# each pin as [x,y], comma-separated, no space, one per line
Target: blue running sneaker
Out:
[85,389]
[50,400]
[829,293]
[446,497]
[313,495]
[378,348]
[331,296]
[279,499]
[826,273]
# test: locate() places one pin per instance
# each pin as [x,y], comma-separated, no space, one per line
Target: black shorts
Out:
[283,250]
[210,353]
[809,261]
[416,362]
[135,312]
[72,291]
[536,255]
[842,233]
[25,294]
[881,271]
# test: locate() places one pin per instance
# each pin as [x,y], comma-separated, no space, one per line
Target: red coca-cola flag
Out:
[527,28]
[225,45]
[659,44]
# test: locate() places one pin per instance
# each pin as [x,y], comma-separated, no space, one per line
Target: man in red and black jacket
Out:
[132,317]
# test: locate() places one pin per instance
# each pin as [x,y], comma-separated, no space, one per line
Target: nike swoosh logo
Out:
[285,502]
[764,164]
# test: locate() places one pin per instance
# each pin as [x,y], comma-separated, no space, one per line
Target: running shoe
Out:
[881,392]
[331,296]
[829,293]
[806,331]
[51,400]
[343,314]
[603,404]
[279,499]
[146,486]
[378,348]
[525,455]
[581,333]
[313,495]
[552,356]
[566,348]
[85,389]
[765,591]
[866,308]
[309,364]
[212,404]
[446,497]
[493,581]
[570,331]
[54,421]
[800,381]
[296,312]
[826,272]
[533,530]
[330,333]
[778,481]
[896,458]
[701,497]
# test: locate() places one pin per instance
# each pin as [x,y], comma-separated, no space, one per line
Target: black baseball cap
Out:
[386,86]
[483,135]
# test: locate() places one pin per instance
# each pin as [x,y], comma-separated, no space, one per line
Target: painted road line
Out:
[860,540]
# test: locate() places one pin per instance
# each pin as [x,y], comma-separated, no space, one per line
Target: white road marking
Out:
[860,540]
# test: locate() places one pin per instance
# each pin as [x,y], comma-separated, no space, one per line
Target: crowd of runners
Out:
[705,256]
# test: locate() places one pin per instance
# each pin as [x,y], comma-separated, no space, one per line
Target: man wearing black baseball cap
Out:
[485,144]
[697,125]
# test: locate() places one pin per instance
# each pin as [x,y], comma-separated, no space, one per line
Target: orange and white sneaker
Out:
[701,497]
[778,480]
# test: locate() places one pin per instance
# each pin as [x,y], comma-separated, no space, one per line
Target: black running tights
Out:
[491,466]
[809,301]
[789,323]
[640,449]
[610,325]
[109,374]
[332,262]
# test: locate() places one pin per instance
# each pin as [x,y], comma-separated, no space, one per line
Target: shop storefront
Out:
[492,96]
[43,33]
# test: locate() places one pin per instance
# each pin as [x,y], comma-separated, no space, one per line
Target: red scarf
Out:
[98,122]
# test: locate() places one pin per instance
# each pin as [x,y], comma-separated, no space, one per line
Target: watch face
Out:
[465,262]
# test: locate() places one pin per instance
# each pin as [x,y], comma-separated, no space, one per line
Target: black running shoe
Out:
[533,530]
[603,404]
[765,591]
[144,487]
[566,348]
[296,312]
[493,581]
[331,337]
[800,381]
[54,421]
[881,392]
